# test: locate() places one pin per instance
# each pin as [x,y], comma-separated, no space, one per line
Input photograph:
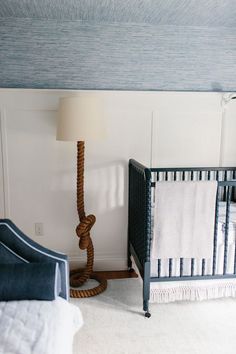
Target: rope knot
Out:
[83,230]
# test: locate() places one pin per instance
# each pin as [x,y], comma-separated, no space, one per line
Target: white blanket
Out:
[184,218]
[199,290]
[38,327]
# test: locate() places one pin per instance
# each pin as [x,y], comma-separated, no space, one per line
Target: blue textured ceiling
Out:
[209,13]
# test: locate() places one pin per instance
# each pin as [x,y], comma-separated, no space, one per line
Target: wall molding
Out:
[4,152]
[2,204]
[100,262]
[5,170]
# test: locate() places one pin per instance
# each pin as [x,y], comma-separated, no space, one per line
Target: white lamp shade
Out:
[81,118]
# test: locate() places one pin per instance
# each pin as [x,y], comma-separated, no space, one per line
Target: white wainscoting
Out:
[38,173]
[2,203]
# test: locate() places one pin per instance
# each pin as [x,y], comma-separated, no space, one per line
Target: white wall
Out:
[39,173]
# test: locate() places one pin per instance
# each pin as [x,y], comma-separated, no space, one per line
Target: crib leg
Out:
[146,289]
[146,309]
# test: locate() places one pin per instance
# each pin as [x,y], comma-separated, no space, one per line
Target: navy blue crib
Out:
[141,186]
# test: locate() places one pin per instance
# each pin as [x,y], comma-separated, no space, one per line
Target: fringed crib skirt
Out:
[191,290]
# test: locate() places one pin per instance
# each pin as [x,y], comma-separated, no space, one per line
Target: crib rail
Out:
[195,174]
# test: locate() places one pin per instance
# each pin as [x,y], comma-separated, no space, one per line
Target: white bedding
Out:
[208,262]
[38,327]
[202,289]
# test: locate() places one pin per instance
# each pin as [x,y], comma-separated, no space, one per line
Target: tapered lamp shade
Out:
[81,118]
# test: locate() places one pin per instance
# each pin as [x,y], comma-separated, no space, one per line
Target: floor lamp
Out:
[80,118]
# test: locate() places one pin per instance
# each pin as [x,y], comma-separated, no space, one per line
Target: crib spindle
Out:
[233,199]
[233,188]
[158,261]
[192,267]
[159,268]
[228,197]
[181,266]
[170,266]
[215,231]
[225,179]
[203,266]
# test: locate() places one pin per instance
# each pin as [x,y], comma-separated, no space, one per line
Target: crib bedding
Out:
[38,327]
[184,217]
[198,263]
[232,215]
[193,290]
[199,290]
[208,262]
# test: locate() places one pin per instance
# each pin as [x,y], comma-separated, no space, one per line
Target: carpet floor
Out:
[114,323]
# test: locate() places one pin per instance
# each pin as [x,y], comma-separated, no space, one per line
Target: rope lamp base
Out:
[79,276]
[75,293]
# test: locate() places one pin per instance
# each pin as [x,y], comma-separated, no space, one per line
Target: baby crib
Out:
[142,182]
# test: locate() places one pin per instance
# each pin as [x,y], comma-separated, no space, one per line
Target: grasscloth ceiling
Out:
[209,13]
[179,45]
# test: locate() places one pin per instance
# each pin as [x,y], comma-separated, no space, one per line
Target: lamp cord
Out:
[79,276]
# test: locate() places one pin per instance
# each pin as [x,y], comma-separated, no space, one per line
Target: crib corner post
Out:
[146,289]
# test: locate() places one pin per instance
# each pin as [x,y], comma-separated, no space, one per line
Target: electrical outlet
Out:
[38,228]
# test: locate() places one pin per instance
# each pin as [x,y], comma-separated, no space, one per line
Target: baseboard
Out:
[103,263]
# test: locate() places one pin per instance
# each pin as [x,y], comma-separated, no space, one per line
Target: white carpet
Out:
[114,324]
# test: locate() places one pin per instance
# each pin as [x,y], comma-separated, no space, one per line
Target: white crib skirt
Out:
[164,292]
[194,290]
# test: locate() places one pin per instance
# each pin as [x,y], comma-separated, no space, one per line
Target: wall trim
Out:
[3,132]
[105,263]
[2,204]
